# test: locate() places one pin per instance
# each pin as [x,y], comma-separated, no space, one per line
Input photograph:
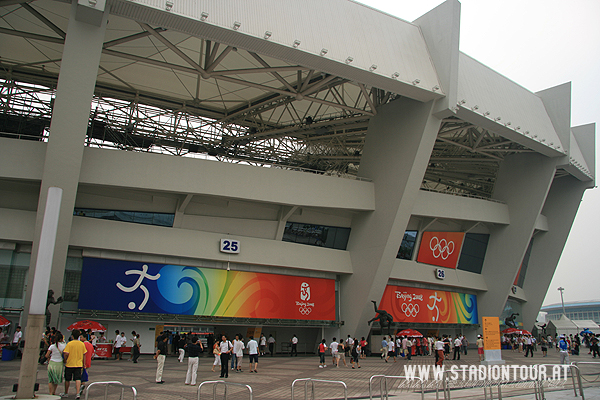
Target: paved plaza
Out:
[276,374]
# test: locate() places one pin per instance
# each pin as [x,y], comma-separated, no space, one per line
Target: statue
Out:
[49,302]
[510,321]
[383,317]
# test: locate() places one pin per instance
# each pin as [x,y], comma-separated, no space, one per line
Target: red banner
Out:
[440,248]
[416,305]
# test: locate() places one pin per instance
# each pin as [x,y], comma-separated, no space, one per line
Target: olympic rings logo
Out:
[410,310]
[441,248]
[304,310]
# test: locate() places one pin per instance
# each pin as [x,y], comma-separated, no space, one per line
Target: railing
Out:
[383,386]
[312,383]
[107,385]
[538,383]
[225,384]
[577,363]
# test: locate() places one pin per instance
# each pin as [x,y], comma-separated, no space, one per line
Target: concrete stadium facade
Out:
[440,144]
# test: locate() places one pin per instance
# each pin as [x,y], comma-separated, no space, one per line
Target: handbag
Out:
[84,376]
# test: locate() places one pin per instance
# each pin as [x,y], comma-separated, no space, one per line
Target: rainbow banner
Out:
[174,289]
[416,305]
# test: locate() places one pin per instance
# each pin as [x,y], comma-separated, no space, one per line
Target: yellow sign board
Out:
[491,333]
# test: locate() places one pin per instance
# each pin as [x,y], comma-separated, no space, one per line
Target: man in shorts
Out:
[74,355]
[334,352]
[253,353]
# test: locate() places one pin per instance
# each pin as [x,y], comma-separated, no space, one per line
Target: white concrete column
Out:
[523,183]
[398,146]
[560,210]
[68,127]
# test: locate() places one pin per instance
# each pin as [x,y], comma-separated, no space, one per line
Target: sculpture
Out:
[383,317]
[510,321]
[49,302]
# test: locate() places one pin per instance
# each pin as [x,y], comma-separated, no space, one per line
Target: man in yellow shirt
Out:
[74,355]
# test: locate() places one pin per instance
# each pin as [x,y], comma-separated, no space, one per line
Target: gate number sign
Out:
[230,246]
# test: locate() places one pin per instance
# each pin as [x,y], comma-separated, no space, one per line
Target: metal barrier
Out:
[110,383]
[572,368]
[538,383]
[383,387]
[225,384]
[588,363]
[312,382]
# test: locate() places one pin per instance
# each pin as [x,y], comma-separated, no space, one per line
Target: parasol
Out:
[87,324]
[409,333]
[4,322]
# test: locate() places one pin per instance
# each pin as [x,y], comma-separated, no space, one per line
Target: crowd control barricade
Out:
[311,382]
[575,378]
[107,385]
[583,364]
[383,385]
[225,385]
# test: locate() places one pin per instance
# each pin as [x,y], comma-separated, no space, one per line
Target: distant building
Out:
[575,310]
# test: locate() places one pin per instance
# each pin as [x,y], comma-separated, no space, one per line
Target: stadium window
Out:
[407,247]
[331,237]
[473,252]
[137,217]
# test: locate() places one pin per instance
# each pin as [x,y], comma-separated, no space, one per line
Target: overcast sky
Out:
[540,44]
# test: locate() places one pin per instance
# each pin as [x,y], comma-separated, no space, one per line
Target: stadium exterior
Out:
[574,310]
[245,167]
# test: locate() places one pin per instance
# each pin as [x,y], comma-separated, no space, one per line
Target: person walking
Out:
[480,347]
[528,345]
[263,344]
[439,351]
[564,350]
[74,355]
[294,350]
[464,344]
[333,347]
[55,362]
[226,348]
[457,346]
[253,354]
[120,341]
[238,352]
[193,349]
[384,349]
[322,350]
[354,353]
[136,348]
[160,357]
[217,354]
[271,344]
[87,362]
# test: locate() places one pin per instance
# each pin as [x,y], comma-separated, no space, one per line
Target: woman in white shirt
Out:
[55,364]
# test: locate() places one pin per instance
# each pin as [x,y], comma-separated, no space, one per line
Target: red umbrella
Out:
[409,333]
[510,331]
[4,322]
[87,324]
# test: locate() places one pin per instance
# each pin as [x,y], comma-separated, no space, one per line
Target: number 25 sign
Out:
[230,246]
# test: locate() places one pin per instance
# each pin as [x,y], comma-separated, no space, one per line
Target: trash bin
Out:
[7,354]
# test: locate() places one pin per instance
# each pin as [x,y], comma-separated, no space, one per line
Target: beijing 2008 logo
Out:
[305,307]
[441,247]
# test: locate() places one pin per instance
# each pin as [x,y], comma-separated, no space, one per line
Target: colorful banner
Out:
[440,248]
[416,305]
[175,289]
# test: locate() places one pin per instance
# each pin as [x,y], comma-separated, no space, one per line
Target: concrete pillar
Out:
[523,183]
[68,127]
[398,146]
[560,209]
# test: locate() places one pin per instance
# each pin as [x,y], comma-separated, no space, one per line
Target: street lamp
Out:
[560,289]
